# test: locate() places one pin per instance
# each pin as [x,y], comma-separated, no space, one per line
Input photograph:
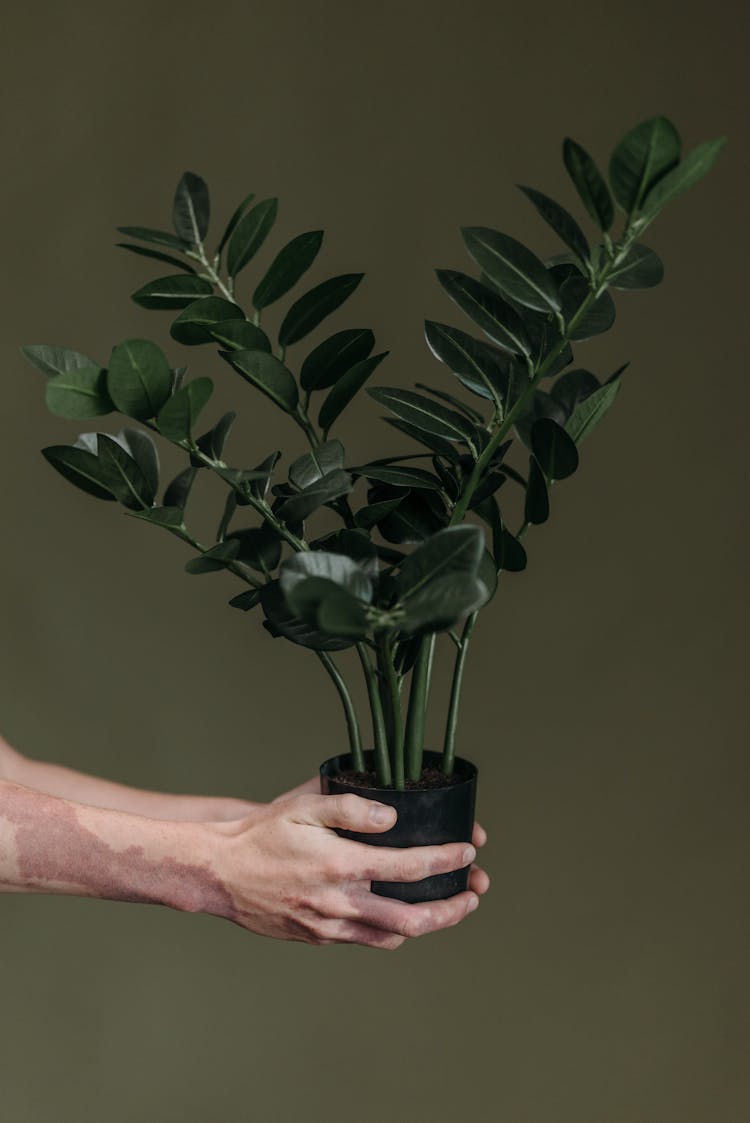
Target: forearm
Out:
[52,845]
[54,779]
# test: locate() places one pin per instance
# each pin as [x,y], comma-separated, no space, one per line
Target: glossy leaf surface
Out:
[312,308]
[589,183]
[641,158]
[175,291]
[287,267]
[139,379]
[561,221]
[346,388]
[195,323]
[496,318]
[334,357]
[78,394]
[177,418]
[249,234]
[268,374]
[515,270]
[191,208]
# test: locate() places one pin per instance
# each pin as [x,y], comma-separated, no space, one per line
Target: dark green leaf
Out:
[346,388]
[597,318]
[487,309]
[177,418]
[312,466]
[474,416]
[281,621]
[307,312]
[334,357]
[287,267]
[641,159]
[232,224]
[79,393]
[57,360]
[128,483]
[191,208]
[641,269]
[572,387]
[246,600]
[268,374]
[301,505]
[483,369]
[589,183]
[355,544]
[454,550]
[563,223]
[441,603]
[81,468]
[139,380]
[339,569]
[341,614]
[240,335]
[218,557]
[487,574]
[536,507]
[212,443]
[195,323]
[398,477]
[555,451]
[175,291]
[429,440]
[249,234]
[539,404]
[425,414]
[418,515]
[589,412]
[259,547]
[156,255]
[143,450]
[688,172]
[156,237]
[515,270]
[176,494]
[370,515]
[168,518]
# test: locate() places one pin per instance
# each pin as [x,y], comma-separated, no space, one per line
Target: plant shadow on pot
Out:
[426,817]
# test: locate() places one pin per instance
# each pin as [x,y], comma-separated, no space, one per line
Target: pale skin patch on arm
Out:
[56,853]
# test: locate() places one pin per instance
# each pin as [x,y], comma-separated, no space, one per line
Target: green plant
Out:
[357,586]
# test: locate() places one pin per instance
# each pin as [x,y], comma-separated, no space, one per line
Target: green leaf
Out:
[589,183]
[250,234]
[156,237]
[418,515]
[281,621]
[79,393]
[177,418]
[429,440]
[425,414]
[314,465]
[688,172]
[168,518]
[398,477]
[139,380]
[474,416]
[191,208]
[536,506]
[143,450]
[268,374]
[641,159]
[598,318]
[441,603]
[555,451]
[540,404]
[177,493]
[454,550]
[572,387]
[176,291]
[240,335]
[287,267]
[127,481]
[309,499]
[156,255]
[334,357]
[259,547]
[641,269]
[339,569]
[81,468]
[232,224]
[514,269]
[369,516]
[341,614]
[246,600]
[218,557]
[312,308]
[487,309]
[346,388]
[563,223]
[481,368]
[355,544]
[212,442]
[589,412]
[195,323]
[57,360]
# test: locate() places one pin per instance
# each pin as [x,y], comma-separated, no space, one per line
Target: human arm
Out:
[281,872]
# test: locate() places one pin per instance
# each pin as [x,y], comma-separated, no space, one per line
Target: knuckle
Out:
[348,807]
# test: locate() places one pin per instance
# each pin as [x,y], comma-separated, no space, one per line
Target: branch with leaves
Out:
[424,535]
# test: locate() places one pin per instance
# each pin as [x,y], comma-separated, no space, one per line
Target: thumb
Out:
[347,812]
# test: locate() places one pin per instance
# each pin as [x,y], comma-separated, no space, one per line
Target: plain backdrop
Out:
[604,978]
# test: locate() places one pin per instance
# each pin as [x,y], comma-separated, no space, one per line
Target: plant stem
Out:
[388,674]
[382,761]
[417,712]
[213,276]
[449,746]
[355,740]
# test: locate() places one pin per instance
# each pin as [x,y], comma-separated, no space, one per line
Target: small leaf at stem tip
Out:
[191,208]
[177,417]
[688,172]
[589,412]
[641,159]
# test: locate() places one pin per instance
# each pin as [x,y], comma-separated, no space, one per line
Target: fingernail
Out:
[469,855]
[381,814]
[473,904]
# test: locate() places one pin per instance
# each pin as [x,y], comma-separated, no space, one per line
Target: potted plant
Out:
[421,537]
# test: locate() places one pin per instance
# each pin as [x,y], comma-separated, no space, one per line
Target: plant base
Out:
[427,816]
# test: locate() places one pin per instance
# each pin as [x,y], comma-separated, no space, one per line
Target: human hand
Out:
[292,877]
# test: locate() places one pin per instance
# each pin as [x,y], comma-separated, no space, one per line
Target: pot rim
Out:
[469,771]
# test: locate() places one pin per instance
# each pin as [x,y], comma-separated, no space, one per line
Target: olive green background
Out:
[604,978]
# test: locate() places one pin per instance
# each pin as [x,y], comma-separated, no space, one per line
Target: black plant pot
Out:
[425,817]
